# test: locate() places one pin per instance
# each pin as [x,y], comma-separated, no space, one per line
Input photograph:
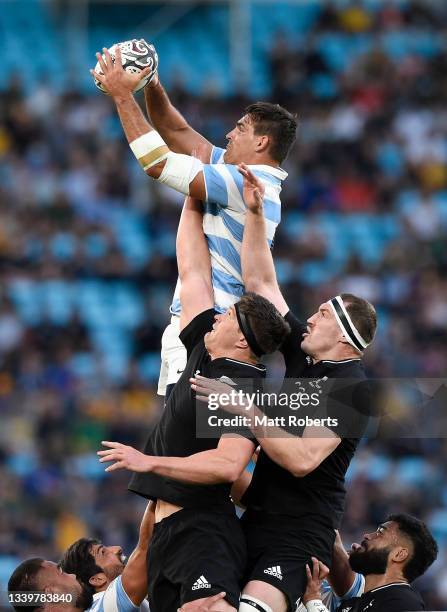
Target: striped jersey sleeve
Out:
[223,223]
[217,155]
[115,599]
[331,600]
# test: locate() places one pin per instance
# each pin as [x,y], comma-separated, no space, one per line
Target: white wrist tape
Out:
[179,171]
[316,605]
[149,149]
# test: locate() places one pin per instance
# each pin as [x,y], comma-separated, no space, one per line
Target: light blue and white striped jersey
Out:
[223,224]
[115,599]
[332,601]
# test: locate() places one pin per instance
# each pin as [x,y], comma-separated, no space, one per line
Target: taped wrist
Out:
[149,149]
[316,605]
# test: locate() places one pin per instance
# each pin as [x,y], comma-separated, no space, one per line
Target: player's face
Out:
[55,580]
[53,575]
[225,333]
[109,558]
[242,142]
[323,332]
[372,556]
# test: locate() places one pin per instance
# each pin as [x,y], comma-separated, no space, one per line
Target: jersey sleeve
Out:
[333,601]
[294,356]
[116,599]
[194,332]
[217,155]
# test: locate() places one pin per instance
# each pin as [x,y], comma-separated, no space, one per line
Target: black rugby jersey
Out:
[321,494]
[397,597]
[175,433]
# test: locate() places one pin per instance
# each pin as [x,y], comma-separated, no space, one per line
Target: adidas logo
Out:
[201,583]
[274,571]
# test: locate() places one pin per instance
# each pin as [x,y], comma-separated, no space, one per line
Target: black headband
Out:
[351,334]
[248,332]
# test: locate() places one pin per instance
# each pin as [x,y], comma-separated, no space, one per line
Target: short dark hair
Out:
[269,327]
[25,578]
[78,560]
[425,548]
[363,315]
[276,122]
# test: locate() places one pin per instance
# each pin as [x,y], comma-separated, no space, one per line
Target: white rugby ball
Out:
[136,55]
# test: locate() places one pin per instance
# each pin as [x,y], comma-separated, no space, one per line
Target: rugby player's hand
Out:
[219,393]
[115,79]
[253,192]
[314,579]
[125,458]
[205,605]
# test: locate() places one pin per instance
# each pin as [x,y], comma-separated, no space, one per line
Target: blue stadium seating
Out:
[199,37]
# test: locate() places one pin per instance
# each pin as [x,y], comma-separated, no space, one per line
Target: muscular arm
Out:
[299,456]
[222,464]
[185,176]
[193,260]
[341,577]
[258,270]
[170,124]
[134,576]
[135,125]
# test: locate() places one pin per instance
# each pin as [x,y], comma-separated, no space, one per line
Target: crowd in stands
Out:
[87,269]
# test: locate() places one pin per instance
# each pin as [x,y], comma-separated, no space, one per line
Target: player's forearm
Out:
[193,257]
[341,577]
[193,262]
[207,468]
[134,576]
[132,119]
[146,527]
[167,120]
[290,452]
[258,270]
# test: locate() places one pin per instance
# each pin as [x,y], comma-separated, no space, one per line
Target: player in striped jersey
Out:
[116,586]
[341,584]
[262,139]
[380,570]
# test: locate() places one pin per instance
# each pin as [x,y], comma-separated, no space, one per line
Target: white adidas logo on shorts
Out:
[201,583]
[274,571]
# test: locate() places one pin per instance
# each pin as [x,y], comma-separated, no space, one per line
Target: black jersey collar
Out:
[331,362]
[385,586]
[237,369]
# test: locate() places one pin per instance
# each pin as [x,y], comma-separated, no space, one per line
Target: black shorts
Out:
[195,554]
[278,548]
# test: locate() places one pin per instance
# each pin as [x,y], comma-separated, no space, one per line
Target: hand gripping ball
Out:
[136,55]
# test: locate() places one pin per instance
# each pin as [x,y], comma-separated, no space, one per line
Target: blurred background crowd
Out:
[87,242]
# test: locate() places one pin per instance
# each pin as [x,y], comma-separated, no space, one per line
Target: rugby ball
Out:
[136,55]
